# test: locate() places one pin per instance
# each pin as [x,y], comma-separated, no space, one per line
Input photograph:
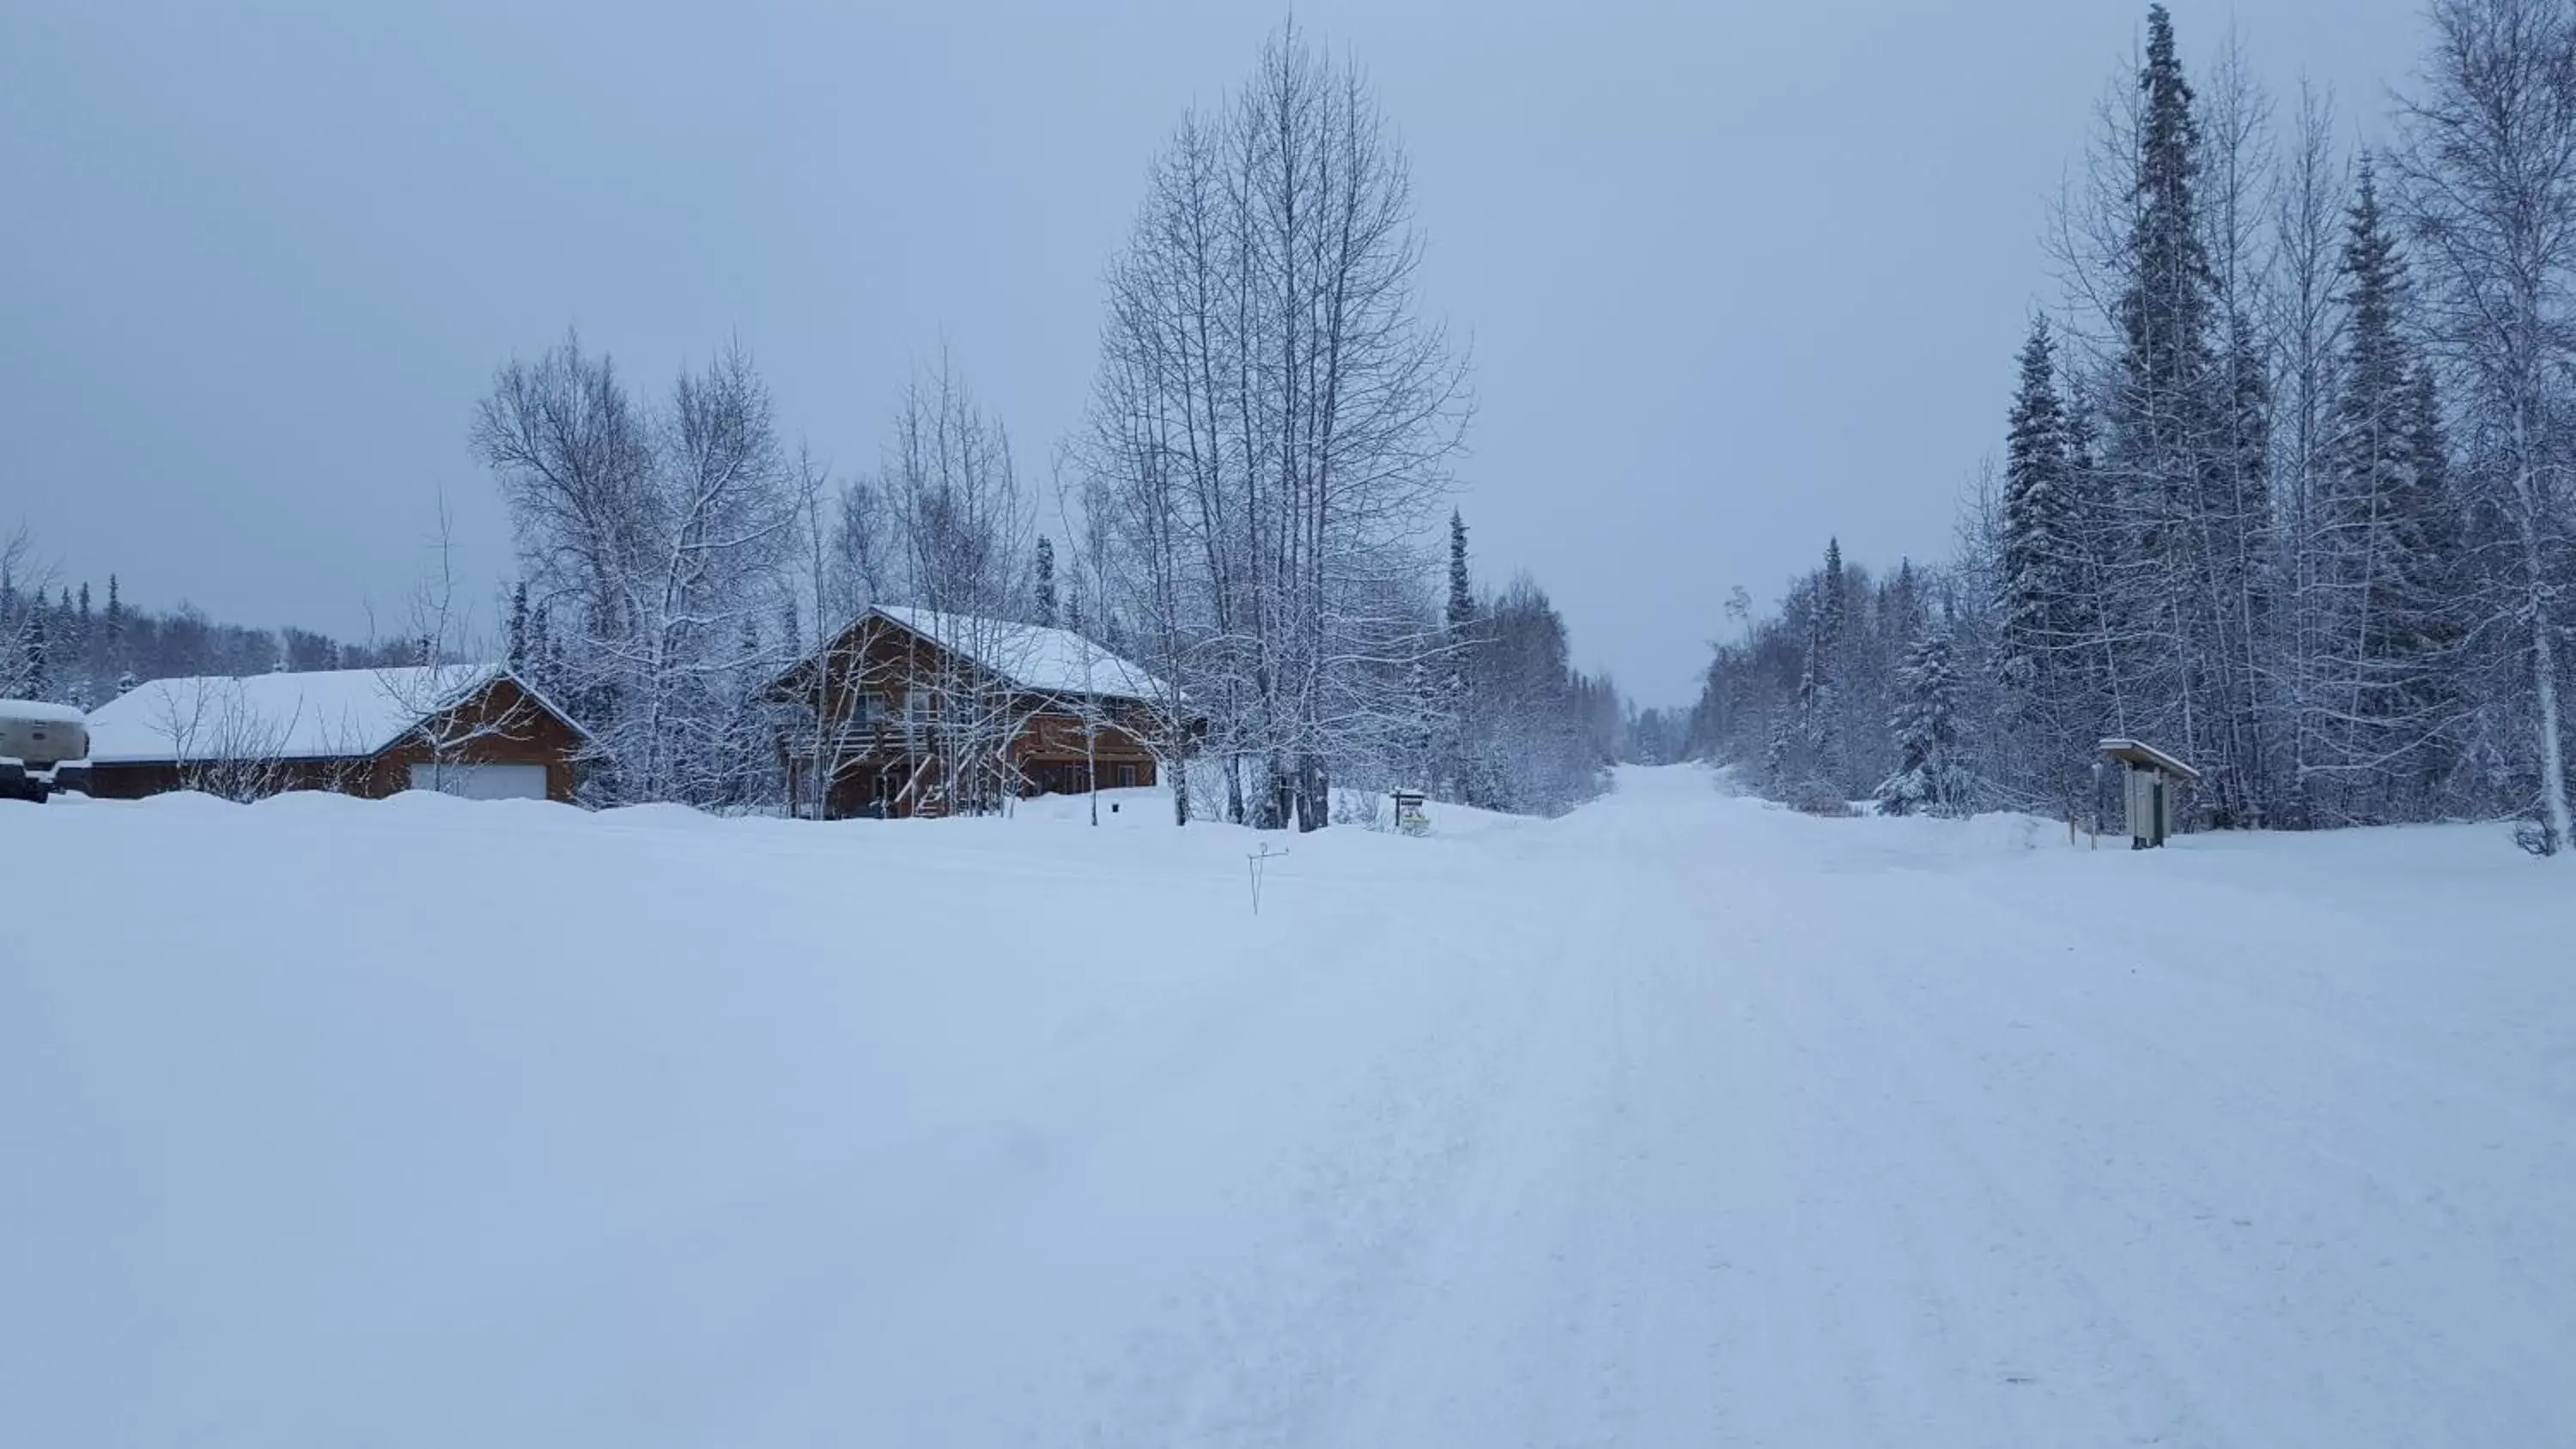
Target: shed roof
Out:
[318,715]
[2148,757]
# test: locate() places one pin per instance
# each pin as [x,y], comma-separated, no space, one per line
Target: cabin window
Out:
[1126,777]
[867,709]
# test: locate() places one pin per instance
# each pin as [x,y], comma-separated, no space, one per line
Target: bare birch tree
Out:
[2489,182]
[663,543]
[1273,423]
[962,526]
[2307,321]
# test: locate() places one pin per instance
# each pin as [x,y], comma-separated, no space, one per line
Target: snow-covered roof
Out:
[2138,752]
[40,712]
[1032,656]
[324,714]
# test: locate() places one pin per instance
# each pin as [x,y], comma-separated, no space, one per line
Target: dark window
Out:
[1126,777]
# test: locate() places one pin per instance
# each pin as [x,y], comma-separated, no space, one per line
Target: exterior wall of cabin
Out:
[875,760]
[536,736]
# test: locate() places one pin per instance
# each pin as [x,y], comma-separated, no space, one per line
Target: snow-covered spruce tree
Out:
[2183,549]
[2049,687]
[112,655]
[1929,777]
[35,653]
[515,647]
[1456,766]
[1887,617]
[2434,624]
[1969,594]
[1042,587]
[1819,708]
[2380,698]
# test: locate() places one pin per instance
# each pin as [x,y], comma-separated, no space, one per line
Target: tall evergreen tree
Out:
[36,668]
[1462,589]
[1046,582]
[2379,572]
[2043,645]
[2432,621]
[83,654]
[518,640]
[111,653]
[1457,776]
[2183,401]
[1929,777]
[2238,561]
[542,670]
[1819,702]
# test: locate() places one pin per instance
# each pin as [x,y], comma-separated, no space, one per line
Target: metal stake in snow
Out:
[1256,860]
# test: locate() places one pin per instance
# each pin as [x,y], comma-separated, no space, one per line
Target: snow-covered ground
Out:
[1680,1121]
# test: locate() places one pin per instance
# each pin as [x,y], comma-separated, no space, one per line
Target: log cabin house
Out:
[912,712]
[461,729]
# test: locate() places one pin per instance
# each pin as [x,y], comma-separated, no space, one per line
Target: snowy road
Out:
[1682,1121]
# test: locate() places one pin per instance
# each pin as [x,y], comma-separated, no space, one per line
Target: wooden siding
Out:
[874,762]
[535,735]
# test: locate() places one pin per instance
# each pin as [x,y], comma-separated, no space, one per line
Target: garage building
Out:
[461,729]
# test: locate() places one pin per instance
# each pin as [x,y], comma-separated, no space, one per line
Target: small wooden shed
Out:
[2154,782]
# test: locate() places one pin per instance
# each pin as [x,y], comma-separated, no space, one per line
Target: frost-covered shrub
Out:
[1819,797]
[1359,807]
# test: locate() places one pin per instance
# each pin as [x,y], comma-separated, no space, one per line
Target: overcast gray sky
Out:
[1736,276]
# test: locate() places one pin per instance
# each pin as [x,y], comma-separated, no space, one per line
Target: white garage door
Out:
[482,782]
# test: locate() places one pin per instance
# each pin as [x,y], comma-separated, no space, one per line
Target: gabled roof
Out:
[1033,657]
[321,715]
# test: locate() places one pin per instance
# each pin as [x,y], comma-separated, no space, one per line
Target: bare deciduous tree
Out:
[1272,423]
[2489,181]
[663,544]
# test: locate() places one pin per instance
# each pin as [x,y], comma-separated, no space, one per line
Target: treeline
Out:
[2284,482]
[1516,727]
[1244,513]
[62,644]
[1807,701]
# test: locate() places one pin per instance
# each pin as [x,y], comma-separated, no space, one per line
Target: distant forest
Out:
[62,642]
